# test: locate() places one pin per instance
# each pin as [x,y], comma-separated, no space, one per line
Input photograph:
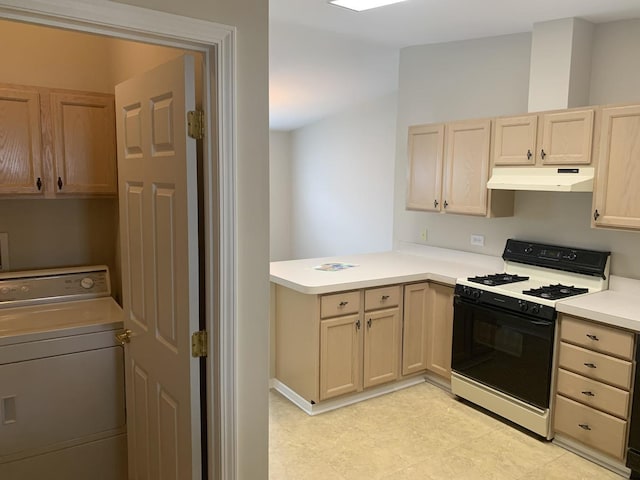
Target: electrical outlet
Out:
[477,240]
[423,234]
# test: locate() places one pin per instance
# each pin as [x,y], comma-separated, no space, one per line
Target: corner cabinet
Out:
[616,199]
[20,144]
[56,143]
[545,139]
[448,170]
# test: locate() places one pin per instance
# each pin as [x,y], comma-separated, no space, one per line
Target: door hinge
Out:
[195,124]
[199,344]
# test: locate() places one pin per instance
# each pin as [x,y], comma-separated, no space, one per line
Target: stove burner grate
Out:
[497,279]
[555,292]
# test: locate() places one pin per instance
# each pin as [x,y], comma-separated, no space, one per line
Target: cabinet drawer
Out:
[384,297]
[595,365]
[591,427]
[597,337]
[337,304]
[595,394]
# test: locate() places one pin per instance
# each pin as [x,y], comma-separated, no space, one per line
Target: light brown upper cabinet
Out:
[20,144]
[544,139]
[56,142]
[449,169]
[426,154]
[616,199]
[84,143]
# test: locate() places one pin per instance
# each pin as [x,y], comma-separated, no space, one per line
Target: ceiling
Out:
[324,59]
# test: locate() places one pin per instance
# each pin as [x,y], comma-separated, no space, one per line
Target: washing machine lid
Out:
[53,320]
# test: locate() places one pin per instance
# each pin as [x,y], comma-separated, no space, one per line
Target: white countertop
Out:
[619,306]
[410,264]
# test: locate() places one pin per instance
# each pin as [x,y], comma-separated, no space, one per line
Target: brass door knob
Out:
[124,337]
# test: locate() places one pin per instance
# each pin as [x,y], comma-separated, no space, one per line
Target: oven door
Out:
[508,351]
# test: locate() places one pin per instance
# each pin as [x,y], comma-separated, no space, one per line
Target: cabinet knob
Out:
[595,216]
[590,365]
[588,393]
[529,154]
[369,323]
[593,337]
[435,204]
[584,426]
[358,325]
[542,154]
[59,183]
[39,183]
[445,204]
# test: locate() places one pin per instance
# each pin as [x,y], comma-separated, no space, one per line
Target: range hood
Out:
[542,179]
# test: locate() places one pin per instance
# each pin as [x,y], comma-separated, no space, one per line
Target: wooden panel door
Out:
[414,330]
[467,167]
[617,196]
[84,143]
[340,356]
[515,140]
[440,329]
[426,150]
[567,138]
[157,164]
[20,142]
[381,347]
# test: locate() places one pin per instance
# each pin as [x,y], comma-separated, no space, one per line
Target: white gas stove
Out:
[504,328]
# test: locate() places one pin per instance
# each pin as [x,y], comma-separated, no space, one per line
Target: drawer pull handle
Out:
[358,325]
[369,323]
[384,298]
[593,337]
[584,426]
[343,304]
[589,394]
[590,365]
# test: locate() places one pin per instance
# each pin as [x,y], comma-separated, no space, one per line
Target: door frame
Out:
[217,42]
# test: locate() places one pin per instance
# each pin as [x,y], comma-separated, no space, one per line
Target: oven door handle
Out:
[540,322]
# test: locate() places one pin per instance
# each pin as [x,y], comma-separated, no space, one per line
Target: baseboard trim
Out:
[326,406]
[592,455]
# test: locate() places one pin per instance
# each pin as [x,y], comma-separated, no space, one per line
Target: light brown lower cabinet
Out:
[340,343]
[594,380]
[440,329]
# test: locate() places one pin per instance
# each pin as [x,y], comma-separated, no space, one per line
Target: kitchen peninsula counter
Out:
[409,264]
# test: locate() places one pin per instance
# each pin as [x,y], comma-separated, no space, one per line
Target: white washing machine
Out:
[62,405]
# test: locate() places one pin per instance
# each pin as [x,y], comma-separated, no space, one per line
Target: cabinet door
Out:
[381,347]
[440,329]
[426,145]
[414,331]
[84,143]
[567,138]
[617,189]
[340,356]
[467,167]
[20,141]
[515,140]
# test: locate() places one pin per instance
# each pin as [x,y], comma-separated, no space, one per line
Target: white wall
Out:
[342,193]
[488,77]
[280,164]
[252,144]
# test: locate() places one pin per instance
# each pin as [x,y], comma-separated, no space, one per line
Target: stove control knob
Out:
[466,291]
[571,256]
[524,306]
[528,250]
[87,283]
[476,293]
[4,290]
[24,289]
[535,309]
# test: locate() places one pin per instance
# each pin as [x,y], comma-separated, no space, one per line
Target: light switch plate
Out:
[4,252]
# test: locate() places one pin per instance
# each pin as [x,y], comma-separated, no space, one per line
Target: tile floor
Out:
[419,433]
